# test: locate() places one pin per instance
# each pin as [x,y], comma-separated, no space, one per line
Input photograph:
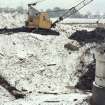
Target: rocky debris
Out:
[86,80]
[47,93]
[51,101]
[40,64]
[12,90]
[71,47]
[84,36]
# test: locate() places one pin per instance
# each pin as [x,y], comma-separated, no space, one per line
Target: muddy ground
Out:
[83,37]
[86,80]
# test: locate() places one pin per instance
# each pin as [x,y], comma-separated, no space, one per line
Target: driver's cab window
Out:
[45,18]
[31,19]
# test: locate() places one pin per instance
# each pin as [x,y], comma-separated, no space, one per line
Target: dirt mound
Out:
[97,35]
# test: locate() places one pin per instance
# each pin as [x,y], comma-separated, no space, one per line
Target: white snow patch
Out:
[40,63]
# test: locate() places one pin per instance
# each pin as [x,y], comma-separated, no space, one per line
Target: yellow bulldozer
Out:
[39,22]
[37,19]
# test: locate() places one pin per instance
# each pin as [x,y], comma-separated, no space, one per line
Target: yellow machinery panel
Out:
[41,20]
[44,21]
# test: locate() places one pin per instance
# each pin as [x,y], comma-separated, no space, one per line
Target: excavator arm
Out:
[33,4]
[72,11]
[31,9]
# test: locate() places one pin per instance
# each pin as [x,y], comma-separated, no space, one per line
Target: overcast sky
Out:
[95,6]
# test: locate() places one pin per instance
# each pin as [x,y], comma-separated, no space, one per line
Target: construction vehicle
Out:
[37,19]
[39,22]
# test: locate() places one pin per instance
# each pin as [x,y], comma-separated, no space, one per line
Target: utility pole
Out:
[98,97]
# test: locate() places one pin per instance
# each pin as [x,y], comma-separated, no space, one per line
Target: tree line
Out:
[55,12]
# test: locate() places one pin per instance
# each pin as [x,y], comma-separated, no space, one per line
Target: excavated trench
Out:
[83,37]
[86,79]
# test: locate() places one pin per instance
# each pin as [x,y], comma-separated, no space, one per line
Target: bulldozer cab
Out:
[38,19]
[41,20]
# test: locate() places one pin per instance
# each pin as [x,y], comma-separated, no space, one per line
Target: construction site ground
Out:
[49,70]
